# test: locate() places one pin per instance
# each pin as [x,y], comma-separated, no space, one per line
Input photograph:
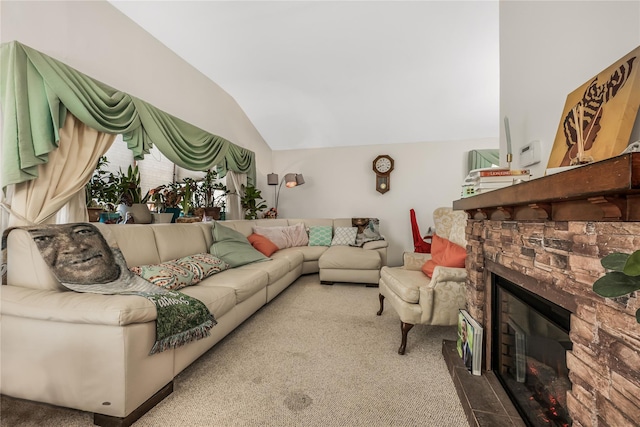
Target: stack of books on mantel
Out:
[481,181]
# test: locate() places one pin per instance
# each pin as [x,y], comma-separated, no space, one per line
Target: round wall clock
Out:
[382,166]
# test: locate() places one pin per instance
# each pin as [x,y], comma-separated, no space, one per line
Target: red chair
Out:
[420,244]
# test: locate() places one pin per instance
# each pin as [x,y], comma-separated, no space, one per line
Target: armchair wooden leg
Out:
[381,297]
[405,327]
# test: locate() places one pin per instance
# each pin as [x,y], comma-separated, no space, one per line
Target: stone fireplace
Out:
[547,237]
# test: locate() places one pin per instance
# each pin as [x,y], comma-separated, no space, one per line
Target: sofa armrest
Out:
[375,244]
[414,260]
[75,307]
[447,274]
[445,294]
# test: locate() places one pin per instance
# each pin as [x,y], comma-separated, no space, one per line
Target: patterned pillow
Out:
[183,272]
[344,236]
[320,235]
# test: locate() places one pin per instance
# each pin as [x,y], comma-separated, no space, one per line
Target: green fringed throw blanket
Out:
[82,260]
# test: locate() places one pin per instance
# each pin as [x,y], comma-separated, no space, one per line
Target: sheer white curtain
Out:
[235,183]
[57,195]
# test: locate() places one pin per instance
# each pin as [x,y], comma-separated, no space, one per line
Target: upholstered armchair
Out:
[435,300]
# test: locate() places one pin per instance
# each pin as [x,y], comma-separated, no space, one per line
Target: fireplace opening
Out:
[528,354]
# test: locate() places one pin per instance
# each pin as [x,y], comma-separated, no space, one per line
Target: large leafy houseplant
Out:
[103,189]
[623,277]
[252,202]
[129,186]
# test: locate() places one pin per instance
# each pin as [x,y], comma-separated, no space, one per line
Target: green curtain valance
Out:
[37,91]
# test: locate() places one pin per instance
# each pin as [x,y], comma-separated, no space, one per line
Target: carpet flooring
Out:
[315,356]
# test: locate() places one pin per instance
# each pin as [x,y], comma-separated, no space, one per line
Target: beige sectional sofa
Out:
[91,352]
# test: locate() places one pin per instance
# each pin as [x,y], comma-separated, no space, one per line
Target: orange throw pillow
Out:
[262,244]
[444,253]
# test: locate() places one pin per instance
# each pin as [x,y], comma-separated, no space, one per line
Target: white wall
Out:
[340,183]
[547,50]
[98,40]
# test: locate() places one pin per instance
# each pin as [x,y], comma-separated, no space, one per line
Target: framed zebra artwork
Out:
[598,117]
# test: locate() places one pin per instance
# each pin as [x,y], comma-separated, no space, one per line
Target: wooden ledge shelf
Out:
[608,190]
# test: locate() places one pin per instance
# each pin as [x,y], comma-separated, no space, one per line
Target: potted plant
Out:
[186,191]
[131,199]
[622,278]
[171,198]
[102,191]
[210,196]
[252,202]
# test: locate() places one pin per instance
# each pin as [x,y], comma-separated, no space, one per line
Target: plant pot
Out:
[141,213]
[94,214]
[213,212]
[164,217]
[109,217]
[174,211]
[138,211]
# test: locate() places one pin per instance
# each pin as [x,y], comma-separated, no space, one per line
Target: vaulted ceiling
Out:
[340,73]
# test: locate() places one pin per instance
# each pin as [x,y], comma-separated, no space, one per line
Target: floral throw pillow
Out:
[183,272]
[320,235]
[344,236]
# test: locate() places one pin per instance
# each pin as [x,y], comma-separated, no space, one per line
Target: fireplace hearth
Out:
[547,237]
[529,353]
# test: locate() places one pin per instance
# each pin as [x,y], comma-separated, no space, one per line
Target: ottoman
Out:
[350,264]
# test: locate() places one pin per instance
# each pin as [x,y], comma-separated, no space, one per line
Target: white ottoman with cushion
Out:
[350,264]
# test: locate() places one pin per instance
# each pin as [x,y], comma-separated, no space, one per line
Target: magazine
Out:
[469,342]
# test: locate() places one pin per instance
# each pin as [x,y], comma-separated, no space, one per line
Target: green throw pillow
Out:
[233,247]
[179,273]
[320,235]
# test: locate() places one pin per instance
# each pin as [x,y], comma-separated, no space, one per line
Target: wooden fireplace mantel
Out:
[608,190]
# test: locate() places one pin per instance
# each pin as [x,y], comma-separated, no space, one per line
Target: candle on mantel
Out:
[508,133]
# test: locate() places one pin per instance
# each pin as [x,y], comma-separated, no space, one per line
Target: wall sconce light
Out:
[290,180]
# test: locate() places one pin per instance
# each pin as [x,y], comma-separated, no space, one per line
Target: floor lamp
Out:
[290,180]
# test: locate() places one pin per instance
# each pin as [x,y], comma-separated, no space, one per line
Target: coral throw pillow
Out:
[444,253]
[261,243]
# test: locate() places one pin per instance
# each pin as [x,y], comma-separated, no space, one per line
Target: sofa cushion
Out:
[444,253]
[183,272]
[244,282]
[137,242]
[275,269]
[233,247]
[294,256]
[404,283]
[344,236]
[285,237]
[218,299]
[345,257]
[320,235]
[177,240]
[262,244]
[25,265]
